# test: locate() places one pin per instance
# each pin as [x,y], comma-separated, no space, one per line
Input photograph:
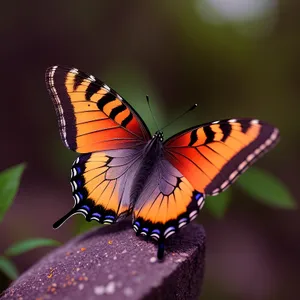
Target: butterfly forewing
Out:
[91,116]
[213,155]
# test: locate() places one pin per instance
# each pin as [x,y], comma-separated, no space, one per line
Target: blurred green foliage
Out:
[266,188]
[8,268]
[218,205]
[29,244]
[9,184]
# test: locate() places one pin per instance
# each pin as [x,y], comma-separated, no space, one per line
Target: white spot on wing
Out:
[182,224]
[155,236]
[224,185]
[250,157]
[169,234]
[268,142]
[75,185]
[74,71]
[262,147]
[85,212]
[168,230]
[233,175]
[92,78]
[200,201]
[105,86]
[242,165]
[76,198]
[202,204]
[215,192]
[72,186]
[74,171]
[232,120]
[257,151]
[193,214]
[107,221]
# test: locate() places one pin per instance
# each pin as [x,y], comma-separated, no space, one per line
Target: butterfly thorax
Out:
[152,155]
[159,135]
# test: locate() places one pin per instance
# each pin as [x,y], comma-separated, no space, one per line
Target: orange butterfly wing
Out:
[167,203]
[213,155]
[101,184]
[200,161]
[96,121]
[91,116]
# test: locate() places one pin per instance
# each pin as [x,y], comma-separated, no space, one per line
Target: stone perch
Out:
[112,263]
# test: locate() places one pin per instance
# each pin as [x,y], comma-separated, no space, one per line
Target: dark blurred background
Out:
[237,58]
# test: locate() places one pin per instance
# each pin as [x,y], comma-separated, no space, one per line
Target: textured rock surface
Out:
[113,263]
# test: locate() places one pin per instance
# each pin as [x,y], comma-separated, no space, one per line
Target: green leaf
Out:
[217,205]
[9,183]
[8,268]
[266,188]
[27,245]
[82,225]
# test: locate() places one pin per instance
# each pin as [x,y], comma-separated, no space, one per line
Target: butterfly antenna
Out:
[148,101]
[180,116]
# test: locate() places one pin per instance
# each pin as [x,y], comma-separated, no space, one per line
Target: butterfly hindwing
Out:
[213,155]
[92,116]
[167,203]
[101,183]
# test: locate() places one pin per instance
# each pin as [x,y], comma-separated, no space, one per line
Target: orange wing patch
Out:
[91,116]
[212,156]
[168,203]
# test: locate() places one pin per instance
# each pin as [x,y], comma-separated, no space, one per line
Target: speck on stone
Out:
[110,276]
[99,290]
[153,259]
[128,291]
[110,288]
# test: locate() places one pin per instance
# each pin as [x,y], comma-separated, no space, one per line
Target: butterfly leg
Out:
[160,250]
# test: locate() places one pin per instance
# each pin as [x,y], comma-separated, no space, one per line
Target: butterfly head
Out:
[159,135]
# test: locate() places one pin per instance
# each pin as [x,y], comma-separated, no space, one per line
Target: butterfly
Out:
[124,170]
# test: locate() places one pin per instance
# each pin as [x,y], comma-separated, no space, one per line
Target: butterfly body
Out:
[123,170]
[152,153]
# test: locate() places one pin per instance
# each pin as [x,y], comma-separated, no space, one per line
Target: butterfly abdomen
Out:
[152,152]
